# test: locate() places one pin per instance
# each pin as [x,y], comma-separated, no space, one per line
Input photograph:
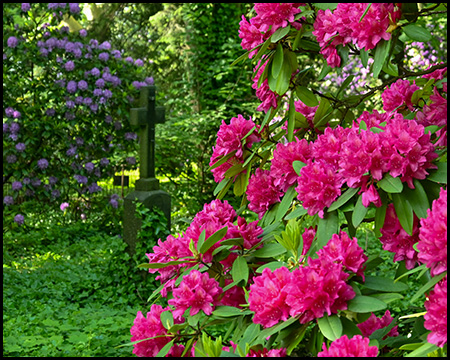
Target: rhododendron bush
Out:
[286,272]
[66,99]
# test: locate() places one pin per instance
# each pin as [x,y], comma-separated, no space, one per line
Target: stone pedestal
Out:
[148,193]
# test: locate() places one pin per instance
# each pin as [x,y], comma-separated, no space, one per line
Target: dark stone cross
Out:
[147,191]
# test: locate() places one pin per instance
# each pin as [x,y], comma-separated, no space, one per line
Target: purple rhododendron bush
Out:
[66,100]
[285,273]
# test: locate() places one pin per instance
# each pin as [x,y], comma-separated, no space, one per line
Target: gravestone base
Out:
[131,224]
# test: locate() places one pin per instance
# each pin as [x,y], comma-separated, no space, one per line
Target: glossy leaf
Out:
[390,184]
[384,284]
[341,200]
[325,6]
[306,96]
[299,211]
[270,250]
[291,119]
[239,270]
[416,33]
[166,319]
[277,62]
[297,165]
[365,304]
[330,326]
[418,199]
[229,311]
[272,266]
[327,226]
[165,349]
[280,33]
[322,111]
[222,160]
[423,350]
[286,203]
[213,239]
[439,175]
[240,184]
[381,52]
[434,280]
[404,212]
[359,212]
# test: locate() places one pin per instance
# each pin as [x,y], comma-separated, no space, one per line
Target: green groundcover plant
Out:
[287,272]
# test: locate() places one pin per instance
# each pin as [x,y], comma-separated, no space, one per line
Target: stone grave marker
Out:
[147,190]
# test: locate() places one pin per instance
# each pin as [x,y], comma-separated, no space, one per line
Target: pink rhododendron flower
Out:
[318,289]
[438,74]
[343,26]
[229,139]
[307,111]
[261,192]
[282,169]
[308,237]
[374,323]
[371,196]
[229,136]
[275,15]
[267,296]
[169,250]
[319,184]
[343,250]
[357,346]
[436,316]
[267,353]
[328,145]
[398,94]
[218,210]
[414,153]
[150,326]
[196,291]
[248,231]
[251,36]
[395,239]
[373,119]
[432,245]
[235,296]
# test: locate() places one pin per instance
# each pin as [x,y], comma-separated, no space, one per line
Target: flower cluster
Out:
[399,94]
[343,26]
[148,327]
[432,244]
[262,192]
[357,346]
[436,316]
[269,18]
[395,239]
[309,291]
[230,139]
[374,323]
[196,291]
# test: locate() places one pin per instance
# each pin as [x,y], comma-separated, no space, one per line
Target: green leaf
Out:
[327,226]
[297,40]
[306,96]
[280,33]
[359,212]
[286,203]
[262,50]
[349,328]
[423,351]
[384,284]
[299,211]
[163,352]
[325,6]
[439,175]
[434,280]
[380,215]
[201,239]
[418,199]
[291,119]
[221,185]
[270,250]
[330,326]
[239,270]
[412,271]
[364,57]
[365,304]
[404,212]
[345,84]
[240,185]
[240,58]
[229,311]
[381,52]
[234,170]
[324,72]
[416,33]
[213,239]
[291,58]
[277,63]
[274,329]
[283,80]
[273,265]
[322,111]
[365,12]
[390,184]
[341,200]
[298,165]
[166,319]
[388,297]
